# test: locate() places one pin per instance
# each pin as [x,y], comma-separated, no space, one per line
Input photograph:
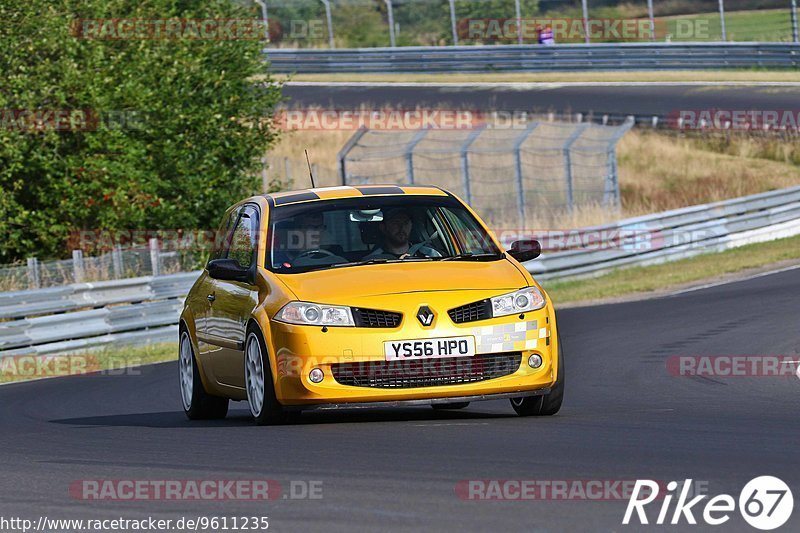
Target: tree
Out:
[169,131]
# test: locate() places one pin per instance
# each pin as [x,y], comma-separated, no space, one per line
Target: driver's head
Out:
[396,227]
[311,227]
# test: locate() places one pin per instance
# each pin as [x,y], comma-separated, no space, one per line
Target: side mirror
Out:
[228,270]
[525,250]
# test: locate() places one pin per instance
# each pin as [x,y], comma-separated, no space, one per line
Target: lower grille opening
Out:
[426,372]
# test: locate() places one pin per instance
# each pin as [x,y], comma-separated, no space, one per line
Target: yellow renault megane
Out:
[379,295]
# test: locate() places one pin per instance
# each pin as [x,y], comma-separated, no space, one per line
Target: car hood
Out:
[336,285]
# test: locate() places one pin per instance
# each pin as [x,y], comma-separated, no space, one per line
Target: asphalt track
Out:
[598,98]
[624,418]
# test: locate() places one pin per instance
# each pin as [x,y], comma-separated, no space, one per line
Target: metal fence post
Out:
[264,175]
[795,33]
[78,272]
[327,5]
[651,14]
[722,20]
[586,20]
[155,257]
[410,154]
[568,163]
[342,155]
[264,16]
[34,281]
[518,170]
[116,261]
[518,13]
[287,170]
[453,21]
[473,135]
[390,13]
[611,189]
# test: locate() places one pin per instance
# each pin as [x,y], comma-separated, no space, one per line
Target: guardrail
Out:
[91,315]
[88,315]
[534,58]
[674,235]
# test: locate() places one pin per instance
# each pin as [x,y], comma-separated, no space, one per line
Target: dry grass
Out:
[322,146]
[658,171]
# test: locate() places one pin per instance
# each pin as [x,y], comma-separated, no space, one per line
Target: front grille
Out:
[426,372]
[471,312]
[373,318]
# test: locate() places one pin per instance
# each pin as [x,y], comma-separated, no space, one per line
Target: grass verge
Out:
[111,361]
[670,276]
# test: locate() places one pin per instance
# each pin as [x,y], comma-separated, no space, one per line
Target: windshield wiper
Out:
[380,260]
[374,261]
[469,256]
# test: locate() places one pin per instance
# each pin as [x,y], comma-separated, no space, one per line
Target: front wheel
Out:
[547,404]
[264,405]
[197,403]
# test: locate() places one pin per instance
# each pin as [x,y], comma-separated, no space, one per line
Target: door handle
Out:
[211,298]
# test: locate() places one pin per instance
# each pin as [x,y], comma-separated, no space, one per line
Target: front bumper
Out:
[414,403]
[296,350]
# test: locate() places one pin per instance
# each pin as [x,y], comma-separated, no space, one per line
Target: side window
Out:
[220,245]
[244,238]
[469,234]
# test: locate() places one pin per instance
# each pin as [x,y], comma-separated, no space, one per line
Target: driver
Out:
[395,230]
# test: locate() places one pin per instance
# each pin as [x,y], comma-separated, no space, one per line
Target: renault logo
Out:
[425,316]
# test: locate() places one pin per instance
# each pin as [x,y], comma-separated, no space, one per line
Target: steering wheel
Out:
[315,254]
[416,248]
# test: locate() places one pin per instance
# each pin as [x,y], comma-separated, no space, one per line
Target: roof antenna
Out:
[310,173]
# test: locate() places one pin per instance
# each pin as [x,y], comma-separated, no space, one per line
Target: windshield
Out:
[365,230]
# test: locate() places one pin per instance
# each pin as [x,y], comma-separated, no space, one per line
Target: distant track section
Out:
[534,58]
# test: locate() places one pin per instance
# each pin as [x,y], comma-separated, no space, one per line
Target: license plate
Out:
[429,348]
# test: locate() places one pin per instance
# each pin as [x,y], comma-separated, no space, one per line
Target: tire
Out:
[547,404]
[261,398]
[448,406]
[197,403]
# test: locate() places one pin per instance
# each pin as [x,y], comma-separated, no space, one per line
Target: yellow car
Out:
[379,295]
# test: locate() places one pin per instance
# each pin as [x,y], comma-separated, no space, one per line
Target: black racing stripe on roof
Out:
[296,197]
[385,189]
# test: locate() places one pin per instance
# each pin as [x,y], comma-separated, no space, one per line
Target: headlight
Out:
[529,299]
[309,314]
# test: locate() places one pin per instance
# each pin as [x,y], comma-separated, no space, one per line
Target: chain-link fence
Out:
[371,23]
[118,263]
[505,174]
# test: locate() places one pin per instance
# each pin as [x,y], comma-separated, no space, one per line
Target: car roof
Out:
[347,191]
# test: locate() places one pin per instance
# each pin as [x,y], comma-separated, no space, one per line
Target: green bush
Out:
[184,123]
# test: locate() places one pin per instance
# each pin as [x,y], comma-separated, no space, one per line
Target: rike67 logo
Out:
[766,503]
